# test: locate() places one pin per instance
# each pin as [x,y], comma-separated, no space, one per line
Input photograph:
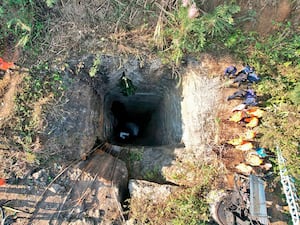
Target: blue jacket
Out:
[253,77]
[250,98]
[247,69]
[230,70]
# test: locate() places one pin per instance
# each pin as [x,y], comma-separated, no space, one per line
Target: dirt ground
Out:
[26,185]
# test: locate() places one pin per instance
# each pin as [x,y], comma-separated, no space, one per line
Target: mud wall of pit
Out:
[85,113]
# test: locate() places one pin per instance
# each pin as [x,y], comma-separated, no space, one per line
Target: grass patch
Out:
[39,88]
[186,205]
[23,25]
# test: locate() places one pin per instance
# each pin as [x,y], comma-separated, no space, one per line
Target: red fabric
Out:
[2,181]
[5,65]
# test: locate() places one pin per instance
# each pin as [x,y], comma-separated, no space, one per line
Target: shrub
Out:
[186,34]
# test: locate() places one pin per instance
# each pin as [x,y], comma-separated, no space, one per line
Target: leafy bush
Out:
[220,22]
[282,47]
[186,34]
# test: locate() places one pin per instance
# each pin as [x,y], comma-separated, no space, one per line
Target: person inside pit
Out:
[128,131]
[126,85]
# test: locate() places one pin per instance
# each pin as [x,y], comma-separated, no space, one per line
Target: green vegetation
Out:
[94,69]
[187,205]
[40,87]
[190,34]
[135,155]
[152,175]
[23,26]
[281,126]
[17,20]
[190,206]
[23,23]
[276,58]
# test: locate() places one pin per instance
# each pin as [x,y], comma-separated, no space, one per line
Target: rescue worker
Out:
[126,85]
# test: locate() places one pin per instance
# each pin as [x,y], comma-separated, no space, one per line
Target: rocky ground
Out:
[77,189]
[91,189]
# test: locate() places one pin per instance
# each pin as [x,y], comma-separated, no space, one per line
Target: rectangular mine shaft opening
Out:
[140,119]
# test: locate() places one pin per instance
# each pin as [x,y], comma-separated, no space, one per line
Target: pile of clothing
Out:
[247,111]
[248,114]
[246,75]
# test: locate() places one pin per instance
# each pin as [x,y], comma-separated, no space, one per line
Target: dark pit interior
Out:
[140,112]
[145,111]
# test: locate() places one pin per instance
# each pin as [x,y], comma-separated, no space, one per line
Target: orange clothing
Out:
[252,121]
[255,112]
